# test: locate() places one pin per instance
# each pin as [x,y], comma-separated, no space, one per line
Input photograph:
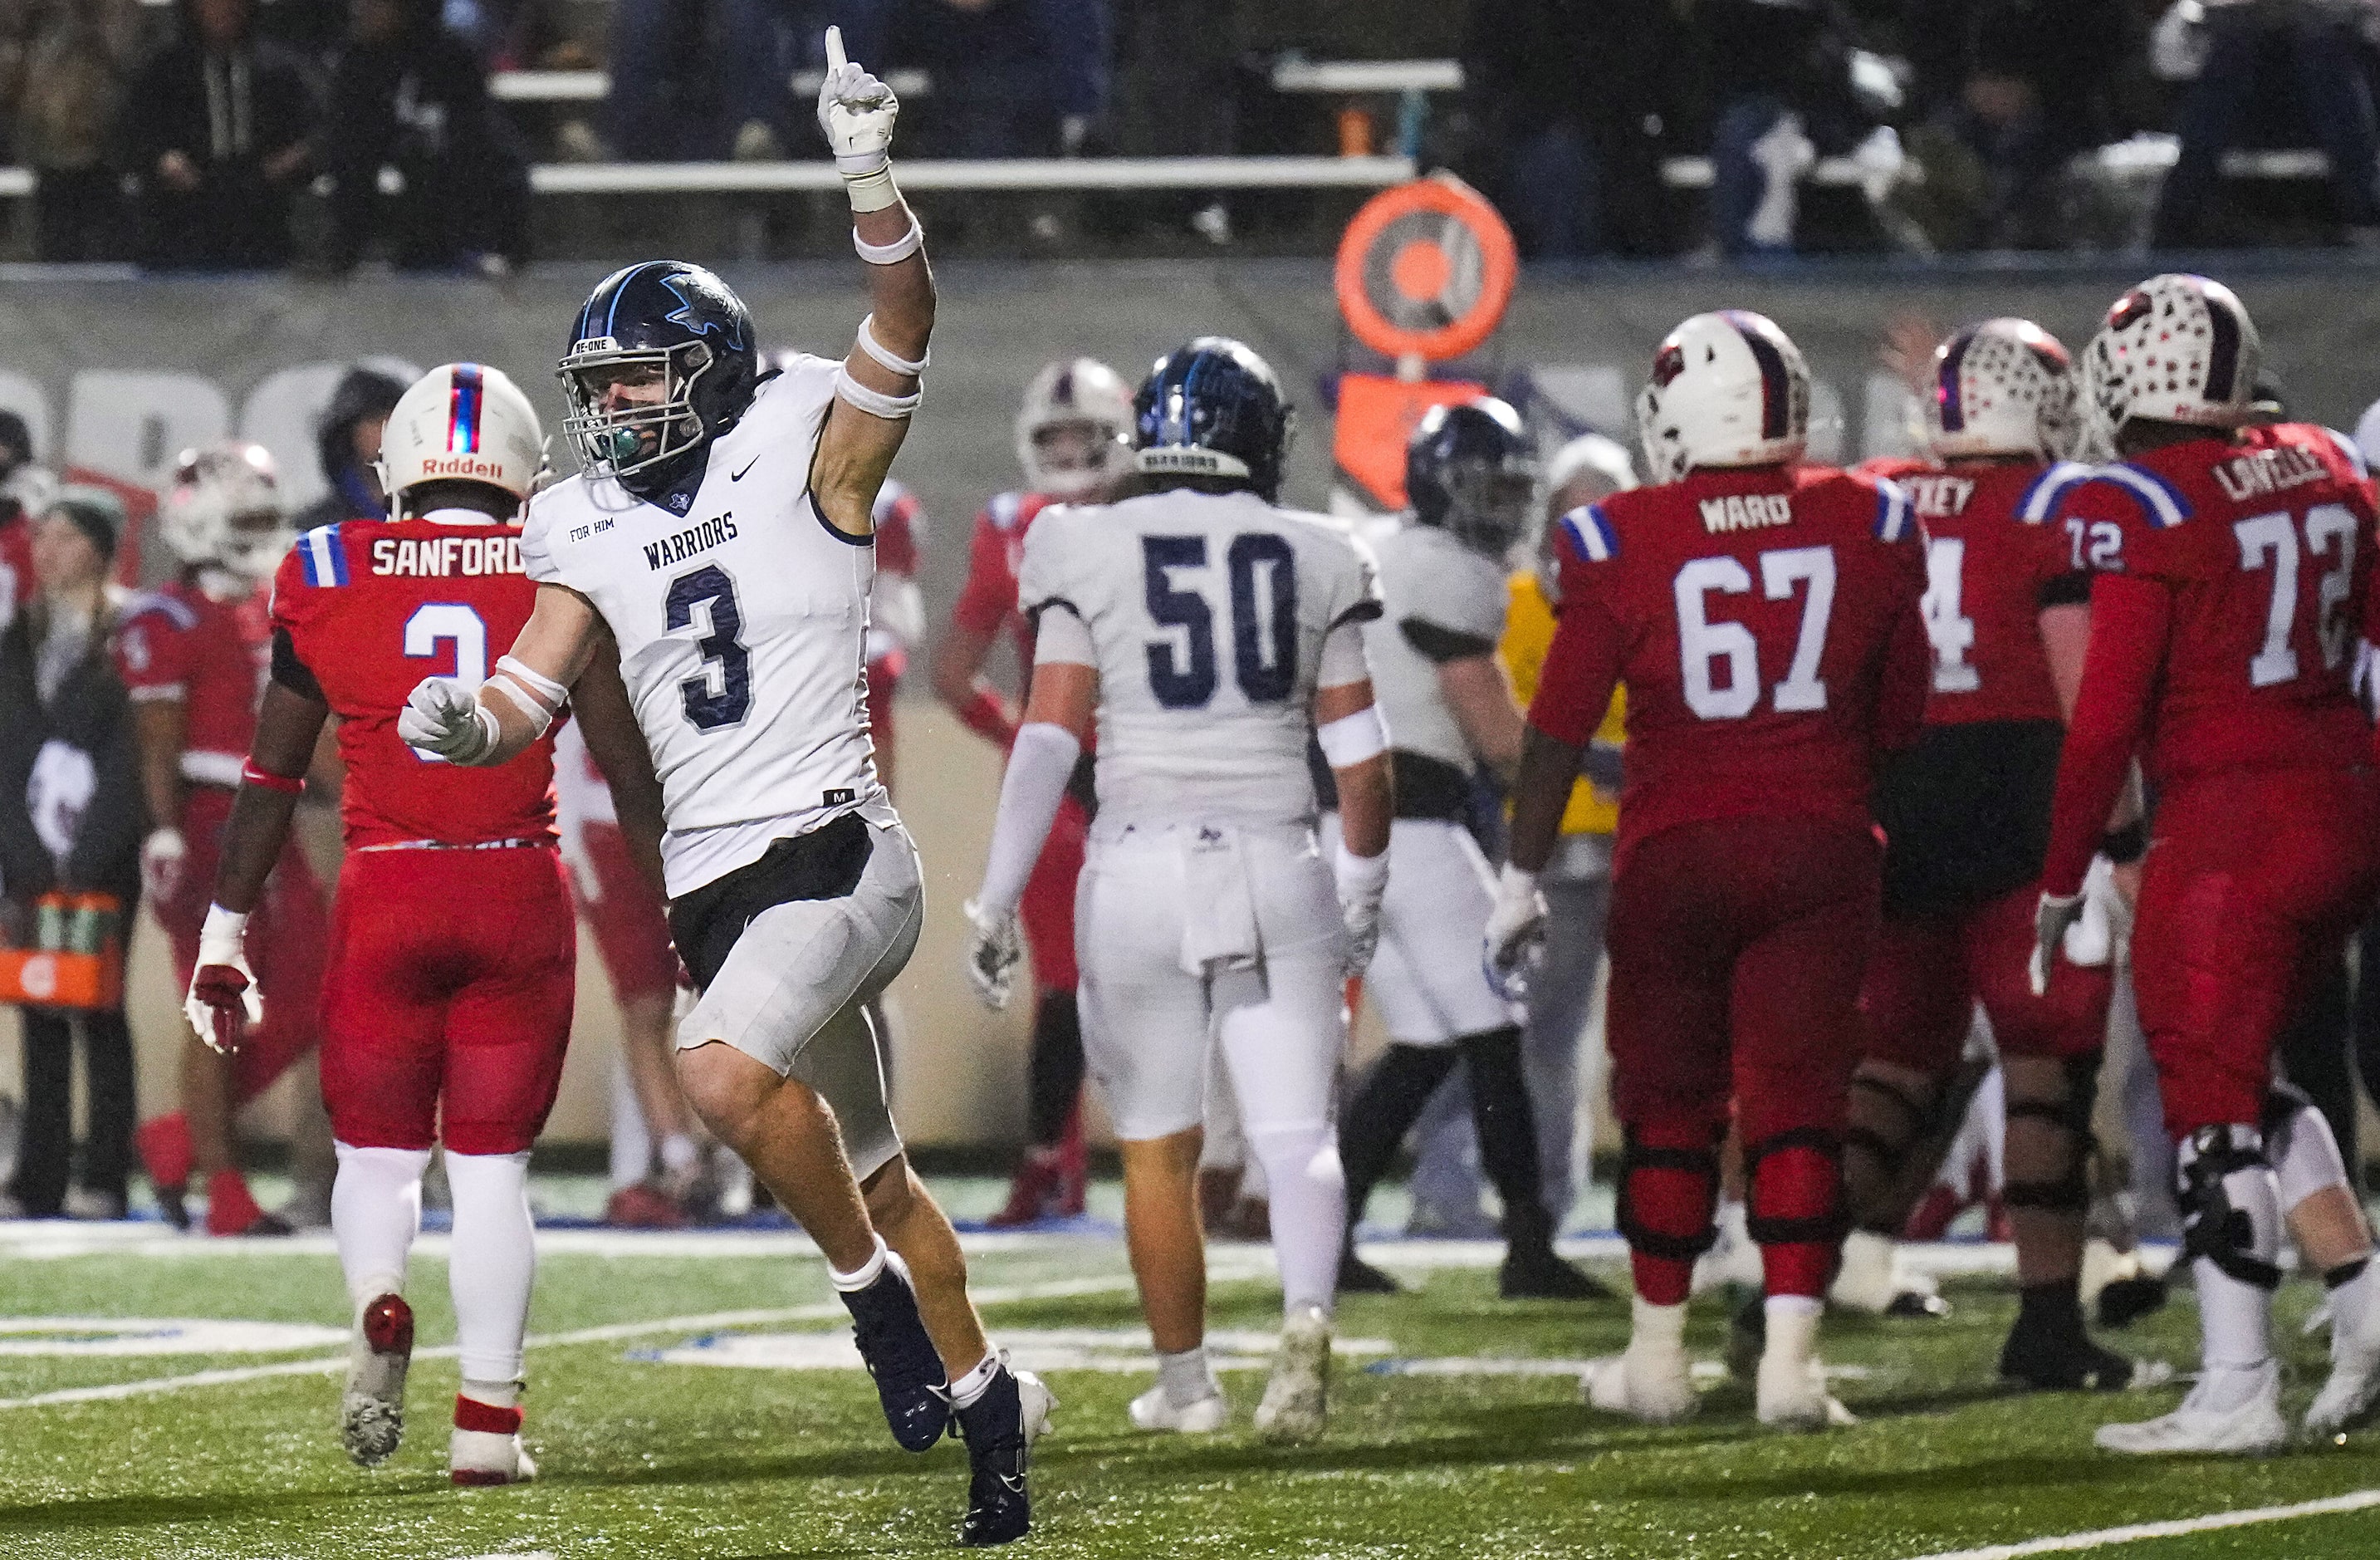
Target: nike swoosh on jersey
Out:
[739,477]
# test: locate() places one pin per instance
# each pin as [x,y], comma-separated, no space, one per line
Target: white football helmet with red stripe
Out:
[2175,348]
[224,508]
[1728,389]
[2002,387]
[462,422]
[1074,433]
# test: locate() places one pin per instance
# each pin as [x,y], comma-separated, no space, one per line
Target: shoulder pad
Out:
[1590,533]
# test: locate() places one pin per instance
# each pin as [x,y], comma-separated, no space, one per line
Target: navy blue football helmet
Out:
[1213,409]
[664,321]
[1472,472]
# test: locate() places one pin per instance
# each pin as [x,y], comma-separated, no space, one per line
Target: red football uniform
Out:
[621,908]
[453,949]
[987,605]
[895,612]
[1965,810]
[180,642]
[1765,622]
[16,564]
[2235,583]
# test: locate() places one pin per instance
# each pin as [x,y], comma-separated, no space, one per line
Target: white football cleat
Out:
[1789,1388]
[2250,1425]
[1649,1382]
[1153,1410]
[1297,1399]
[372,1406]
[486,1447]
[2352,1393]
[1875,1282]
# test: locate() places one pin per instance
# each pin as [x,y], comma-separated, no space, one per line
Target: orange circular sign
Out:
[1426,269]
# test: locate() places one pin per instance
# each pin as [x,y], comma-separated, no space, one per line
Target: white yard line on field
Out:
[2361,1500]
[707,1321]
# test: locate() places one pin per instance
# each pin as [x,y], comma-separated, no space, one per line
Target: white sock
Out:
[375,1213]
[1792,1325]
[1309,1209]
[864,1275]
[493,1262]
[1657,1327]
[2352,1304]
[1186,1377]
[2235,1316]
[632,1147]
[976,1382]
[679,1151]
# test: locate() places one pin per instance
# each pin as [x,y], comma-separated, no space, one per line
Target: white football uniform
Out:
[1444,601]
[742,624]
[1205,907]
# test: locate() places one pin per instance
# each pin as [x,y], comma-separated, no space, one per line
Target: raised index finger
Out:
[835,60]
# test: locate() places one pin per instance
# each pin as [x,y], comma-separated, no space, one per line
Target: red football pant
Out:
[284,942]
[1048,908]
[1930,970]
[1737,952]
[453,976]
[631,932]
[2251,885]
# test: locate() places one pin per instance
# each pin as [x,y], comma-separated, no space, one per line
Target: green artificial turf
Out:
[642,1458]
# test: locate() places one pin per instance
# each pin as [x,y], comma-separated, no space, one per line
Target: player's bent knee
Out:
[729,1089]
[1795,1181]
[1668,1184]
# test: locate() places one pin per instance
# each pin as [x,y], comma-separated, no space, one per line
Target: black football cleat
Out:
[898,1352]
[2125,1300]
[1535,1273]
[2052,1353]
[1000,1429]
[1357,1276]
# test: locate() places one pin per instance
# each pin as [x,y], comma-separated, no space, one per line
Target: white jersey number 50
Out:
[1702,643]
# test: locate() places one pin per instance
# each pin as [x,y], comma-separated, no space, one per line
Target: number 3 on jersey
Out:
[721,696]
[1263,571]
[436,623]
[1702,642]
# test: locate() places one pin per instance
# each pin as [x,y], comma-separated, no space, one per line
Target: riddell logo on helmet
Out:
[461,465]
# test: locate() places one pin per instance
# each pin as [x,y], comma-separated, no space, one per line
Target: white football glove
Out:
[223,1003]
[993,952]
[1516,933]
[447,718]
[2052,918]
[162,855]
[1361,882]
[2107,920]
[856,112]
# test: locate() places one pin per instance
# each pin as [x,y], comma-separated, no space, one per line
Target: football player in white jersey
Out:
[1213,636]
[719,544]
[1471,477]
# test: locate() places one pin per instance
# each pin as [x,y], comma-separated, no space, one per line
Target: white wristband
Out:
[1363,876]
[1351,739]
[871,192]
[886,358]
[875,403]
[896,251]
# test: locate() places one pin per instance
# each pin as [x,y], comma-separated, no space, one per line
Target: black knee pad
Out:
[1890,1157]
[2211,1226]
[1635,1156]
[1826,1228]
[2071,1115]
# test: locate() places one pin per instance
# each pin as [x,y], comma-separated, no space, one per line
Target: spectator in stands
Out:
[1011,78]
[2011,91]
[1779,79]
[70,819]
[76,60]
[2302,65]
[410,94]
[217,125]
[697,79]
[1565,117]
[347,440]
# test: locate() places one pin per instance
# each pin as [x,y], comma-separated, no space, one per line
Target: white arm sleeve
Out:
[1058,635]
[1342,658]
[1038,767]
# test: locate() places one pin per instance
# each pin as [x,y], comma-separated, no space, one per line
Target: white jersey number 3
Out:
[1702,643]
[436,623]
